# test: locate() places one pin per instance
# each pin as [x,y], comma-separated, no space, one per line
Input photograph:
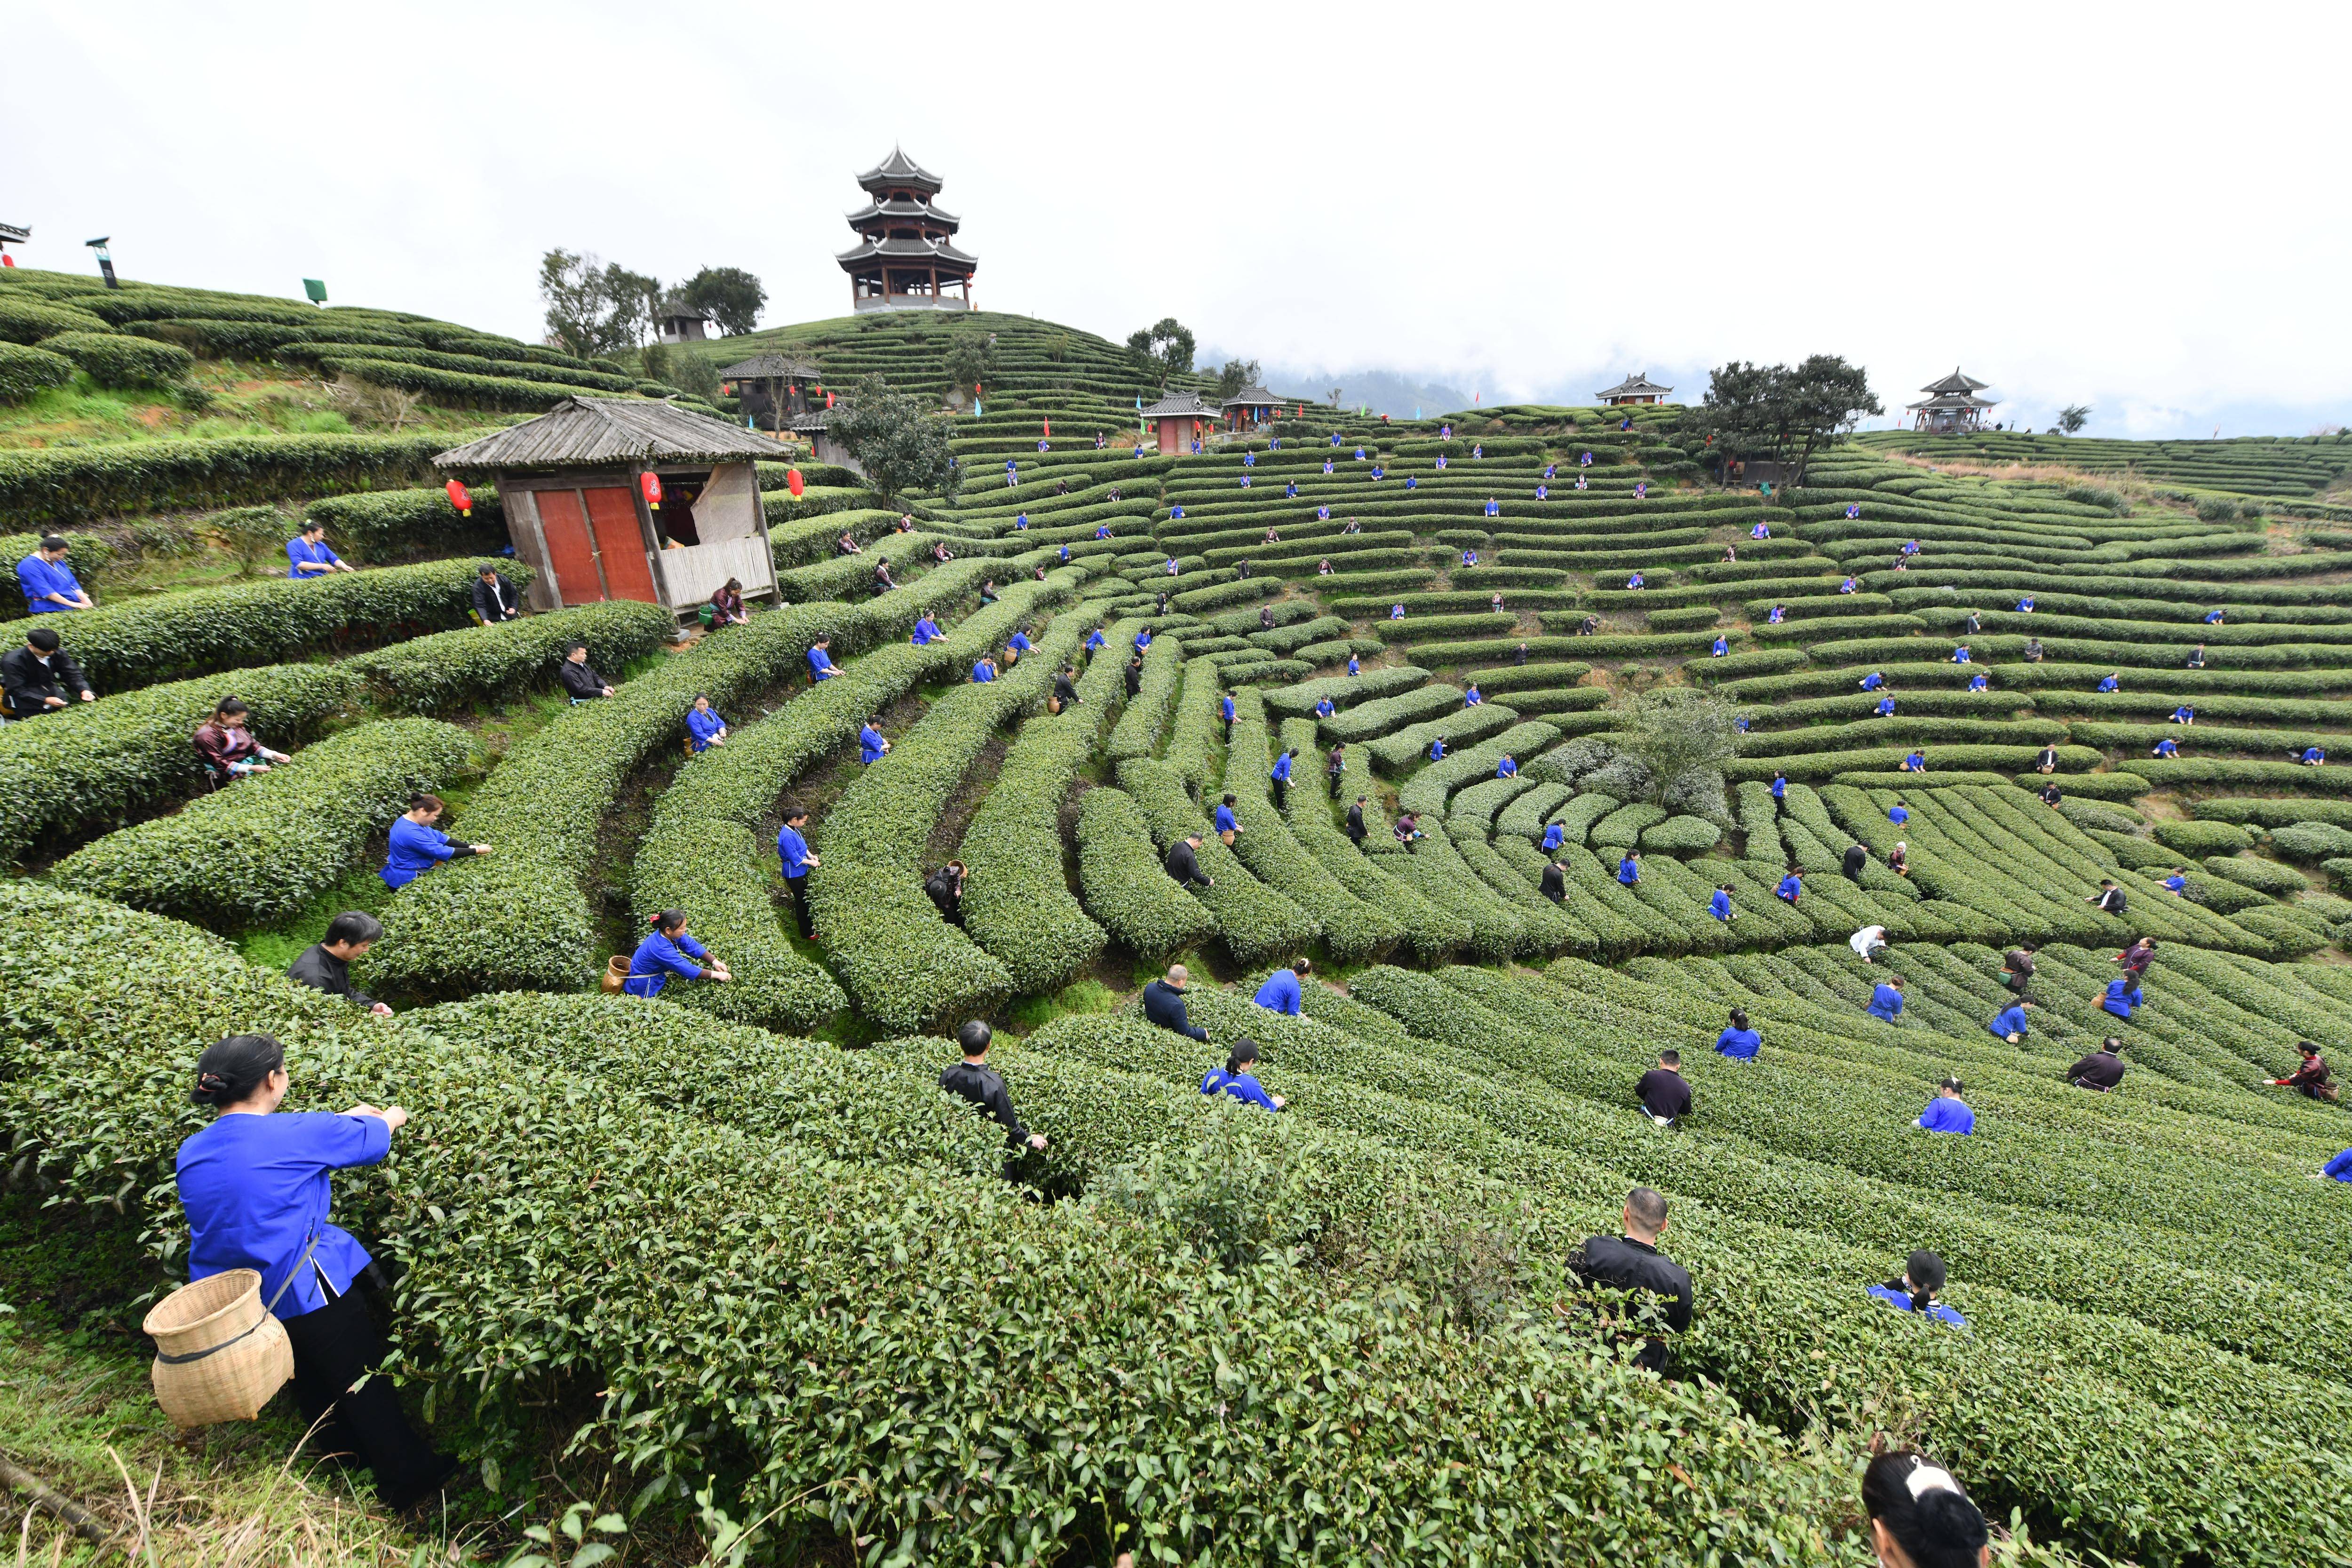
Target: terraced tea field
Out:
[737,1233]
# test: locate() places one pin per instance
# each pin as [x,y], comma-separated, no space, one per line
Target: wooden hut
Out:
[1249,408]
[771,389]
[1178,417]
[1633,390]
[573,485]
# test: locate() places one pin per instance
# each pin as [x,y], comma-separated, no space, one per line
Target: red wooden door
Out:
[621,544]
[571,554]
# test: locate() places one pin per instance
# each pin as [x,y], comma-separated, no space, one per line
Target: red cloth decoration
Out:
[459,499]
[650,483]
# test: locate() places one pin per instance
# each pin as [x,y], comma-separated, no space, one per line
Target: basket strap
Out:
[267,1312]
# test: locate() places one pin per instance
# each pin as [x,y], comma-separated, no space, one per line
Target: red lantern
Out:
[792,480]
[459,499]
[650,483]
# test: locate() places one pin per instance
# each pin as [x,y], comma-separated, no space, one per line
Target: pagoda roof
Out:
[898,169]
[770,367]
[675,309]
[1251,396]
[904,212]
[1636,385]
[936,251]
[1943,400]
[1180,405]
[1955,382]
[602,431]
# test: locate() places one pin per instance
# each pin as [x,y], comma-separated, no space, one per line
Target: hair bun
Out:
[1947,1517]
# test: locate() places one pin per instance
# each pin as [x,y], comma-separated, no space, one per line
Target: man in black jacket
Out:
[327,965]
[494,597]
[945,886]
[1065,689]
[972,1079]
[1163,1004]
[1856,857]
[578,677]
[2101,1070]
[1184,863]
[1135,676]
[1632,1262]
[1356,822]
[35,679]
[1662,1092]
[1554,885]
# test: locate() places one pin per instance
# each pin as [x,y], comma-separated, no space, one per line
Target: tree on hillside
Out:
[2073,417]
[901,446]
[1236,374]
[1671,745]
[729,296]
[595,307]
[971,358]
[1783,413]
[1335,395]
[1164,349]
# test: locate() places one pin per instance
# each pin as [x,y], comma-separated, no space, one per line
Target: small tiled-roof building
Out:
[572,486]
[1249,408]
[1179,418]
[676,322]
[771,389]
[1634,389]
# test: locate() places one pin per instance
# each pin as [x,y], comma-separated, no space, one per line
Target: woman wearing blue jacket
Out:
[1886,999]
[2121,996]
[667,950]
[1738,1041]
[1236,1080]
[417,846]
[704,727]
[1913,1291]
[256,1187]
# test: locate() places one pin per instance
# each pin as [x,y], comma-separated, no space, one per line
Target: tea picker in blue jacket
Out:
[417,846]
[1235,1079]
[2010,1024]
[669,950]
[1948,1112]
[256,1186]
[1915,1290]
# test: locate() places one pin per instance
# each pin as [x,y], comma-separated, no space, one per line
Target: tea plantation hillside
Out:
[733,1243]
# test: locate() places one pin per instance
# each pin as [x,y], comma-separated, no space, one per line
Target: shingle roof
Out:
[1955,382]
[603,430]
[1636,385]
[898,169]
[770,366]
[674,307]
[1180,405]
[927,250]
[876,213]
[1251,396]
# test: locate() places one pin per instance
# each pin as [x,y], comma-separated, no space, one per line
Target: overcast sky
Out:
[2140,207]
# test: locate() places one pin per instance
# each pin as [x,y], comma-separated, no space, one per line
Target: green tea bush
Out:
[113,359]
[2262,876]
[1682,836]
[274,841]
[2310,843]
[1138,732]
[2201,840]
[1366,720]
[55,486]
[1257,923]
[448,669]
[392,525]
[24,371]
[164,636]
[899,960]
[1124,886]
[1352,928]
[23,321]
[95,764]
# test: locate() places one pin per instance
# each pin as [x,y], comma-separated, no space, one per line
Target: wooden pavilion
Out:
[905,258]
[1634,389]
[572,482]
[1951,405]
[676,322]
[1180,418]
[773,389]
[1249,408]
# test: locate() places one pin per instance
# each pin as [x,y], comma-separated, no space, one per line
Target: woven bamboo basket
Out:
[221,1354]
